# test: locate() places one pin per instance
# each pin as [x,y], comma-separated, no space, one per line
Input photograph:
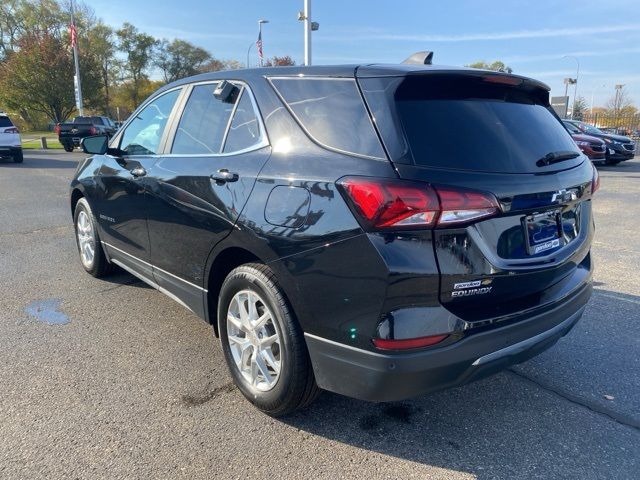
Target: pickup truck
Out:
[70,134]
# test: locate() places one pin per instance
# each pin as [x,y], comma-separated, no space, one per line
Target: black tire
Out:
[18,157]
[612,162]
[295,387]
[99,266]
[67,147]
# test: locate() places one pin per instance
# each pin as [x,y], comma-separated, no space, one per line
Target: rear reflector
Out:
[461,206]
[409,343]
[382,203]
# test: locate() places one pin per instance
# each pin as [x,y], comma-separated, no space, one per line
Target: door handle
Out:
[223,176]
[138,171]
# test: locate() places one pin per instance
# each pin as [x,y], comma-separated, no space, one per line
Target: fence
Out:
[620,124]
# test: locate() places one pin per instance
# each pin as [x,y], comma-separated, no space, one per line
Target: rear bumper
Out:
[9,151]
[373,376]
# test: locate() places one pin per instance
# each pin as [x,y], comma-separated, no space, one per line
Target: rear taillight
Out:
[93,131]
[56,129]
[595,183]
[409,343]
[11,130]
[402,204]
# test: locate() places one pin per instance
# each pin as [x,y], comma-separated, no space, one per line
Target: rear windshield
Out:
[87,120]
[5,122]
[466,123]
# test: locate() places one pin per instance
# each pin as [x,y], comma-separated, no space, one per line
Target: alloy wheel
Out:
[86,239]
[254,340]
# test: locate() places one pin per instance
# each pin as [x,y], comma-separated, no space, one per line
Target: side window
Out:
[142,136]
[203,124]
[333,113]
[244,131]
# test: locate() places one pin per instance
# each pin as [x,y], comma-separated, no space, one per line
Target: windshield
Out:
[572,128]
[590,129]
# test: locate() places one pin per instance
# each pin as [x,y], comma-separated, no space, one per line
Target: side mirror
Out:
[95,145]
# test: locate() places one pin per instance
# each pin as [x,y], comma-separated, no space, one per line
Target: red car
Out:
[592,147]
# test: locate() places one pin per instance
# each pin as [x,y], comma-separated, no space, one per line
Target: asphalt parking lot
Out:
[111,379]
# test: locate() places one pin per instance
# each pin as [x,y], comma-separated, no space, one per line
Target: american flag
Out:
[74,35]
[259,45]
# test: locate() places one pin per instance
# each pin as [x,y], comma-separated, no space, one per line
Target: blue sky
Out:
[531,37]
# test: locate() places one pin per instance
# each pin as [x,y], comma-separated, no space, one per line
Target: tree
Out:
[579,108]
[101,44]
[279,61]
[496,66]
[620,101]
[179,59]
[215,65]
[39,77]
[138,49]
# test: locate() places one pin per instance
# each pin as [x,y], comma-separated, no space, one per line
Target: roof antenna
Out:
[420,58]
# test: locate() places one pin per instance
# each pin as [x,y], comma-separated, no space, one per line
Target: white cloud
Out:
[558,56]
[540,33]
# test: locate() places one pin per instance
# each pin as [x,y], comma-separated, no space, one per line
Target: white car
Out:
[10,142]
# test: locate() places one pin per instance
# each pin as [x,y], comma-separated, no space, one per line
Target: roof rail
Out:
[420,58]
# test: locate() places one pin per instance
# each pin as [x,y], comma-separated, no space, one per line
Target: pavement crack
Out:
[621,418]
[207,395]
[53,228]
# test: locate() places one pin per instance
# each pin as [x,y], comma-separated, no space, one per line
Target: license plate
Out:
[76,140]
[543,232]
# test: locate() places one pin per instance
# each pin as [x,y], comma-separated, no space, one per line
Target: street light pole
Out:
[76,78]
[248,51]
[307,32]
[575,88]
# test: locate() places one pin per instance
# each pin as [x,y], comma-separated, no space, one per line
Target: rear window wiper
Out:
[555,157]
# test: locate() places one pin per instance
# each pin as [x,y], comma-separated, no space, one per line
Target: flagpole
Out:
[76,79]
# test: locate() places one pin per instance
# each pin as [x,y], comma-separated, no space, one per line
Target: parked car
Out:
[619,148]
[10,142]
[378,259]
[71,134]
[592,147]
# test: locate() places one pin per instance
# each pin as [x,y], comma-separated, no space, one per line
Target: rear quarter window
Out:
[332,112]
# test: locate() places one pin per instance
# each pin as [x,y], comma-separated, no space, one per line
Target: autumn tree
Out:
[276,61]
[496,66]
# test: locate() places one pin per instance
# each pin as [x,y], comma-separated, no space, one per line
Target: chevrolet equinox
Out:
[379,231]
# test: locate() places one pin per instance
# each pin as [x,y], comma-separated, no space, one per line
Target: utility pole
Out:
[309,27]
[76,78]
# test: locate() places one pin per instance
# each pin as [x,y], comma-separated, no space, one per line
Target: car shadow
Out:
[630,166]
[38,162]
[509,425]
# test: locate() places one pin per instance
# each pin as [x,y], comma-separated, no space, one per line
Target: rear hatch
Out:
[494,134]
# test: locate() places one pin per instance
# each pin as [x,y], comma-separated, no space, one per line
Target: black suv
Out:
[380,231]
